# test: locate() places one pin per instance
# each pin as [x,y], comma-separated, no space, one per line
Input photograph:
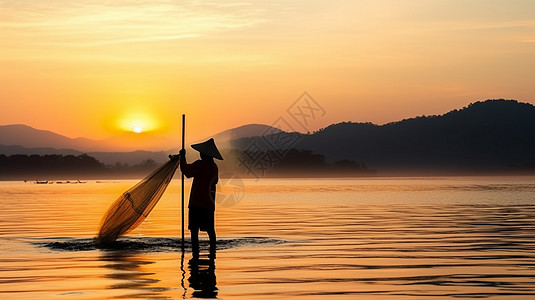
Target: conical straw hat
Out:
[209,148]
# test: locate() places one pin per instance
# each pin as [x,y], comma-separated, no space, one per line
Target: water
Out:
[382,238]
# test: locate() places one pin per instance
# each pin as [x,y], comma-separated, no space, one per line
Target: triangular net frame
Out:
[134,205]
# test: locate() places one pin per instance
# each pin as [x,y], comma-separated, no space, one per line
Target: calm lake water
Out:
[378,238]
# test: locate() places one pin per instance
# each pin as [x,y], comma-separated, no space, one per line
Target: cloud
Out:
[94,23]
[503,25]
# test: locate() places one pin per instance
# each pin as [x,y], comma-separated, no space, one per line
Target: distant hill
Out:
[488,136]
[244,131]
[493,135]
[23,139]
[29,137]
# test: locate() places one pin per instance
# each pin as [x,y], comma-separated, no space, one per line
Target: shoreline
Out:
[430,176]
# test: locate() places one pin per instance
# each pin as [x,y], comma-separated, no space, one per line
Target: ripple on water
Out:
[151,244]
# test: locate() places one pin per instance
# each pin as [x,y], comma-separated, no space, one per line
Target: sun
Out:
[137,122]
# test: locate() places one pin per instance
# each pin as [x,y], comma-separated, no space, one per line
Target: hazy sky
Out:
[90,68]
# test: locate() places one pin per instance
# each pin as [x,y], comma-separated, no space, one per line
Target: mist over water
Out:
[378,238]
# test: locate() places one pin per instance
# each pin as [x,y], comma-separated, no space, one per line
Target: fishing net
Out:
[134,205]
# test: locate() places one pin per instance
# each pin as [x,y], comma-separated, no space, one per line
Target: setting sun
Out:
[138,122]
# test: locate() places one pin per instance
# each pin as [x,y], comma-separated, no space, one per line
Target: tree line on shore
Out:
[22,166]
[290,163]
[54,166]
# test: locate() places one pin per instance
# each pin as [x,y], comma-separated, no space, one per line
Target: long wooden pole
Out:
[183,142]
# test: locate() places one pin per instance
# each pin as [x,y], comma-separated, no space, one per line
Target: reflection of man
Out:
[202,197]
[202,278]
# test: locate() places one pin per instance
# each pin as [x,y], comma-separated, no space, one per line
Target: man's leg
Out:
[195,241]
[211,235]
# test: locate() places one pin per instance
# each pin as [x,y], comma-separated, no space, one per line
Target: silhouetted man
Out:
[202,196]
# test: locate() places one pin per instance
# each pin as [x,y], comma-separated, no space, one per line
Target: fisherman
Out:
[202,196]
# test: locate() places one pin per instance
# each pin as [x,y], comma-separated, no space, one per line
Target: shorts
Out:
[200,218]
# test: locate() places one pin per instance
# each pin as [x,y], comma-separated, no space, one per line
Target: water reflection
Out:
[131,278]
[128,274]
[202,277]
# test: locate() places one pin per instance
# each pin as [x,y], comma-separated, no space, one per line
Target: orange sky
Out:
[88,68]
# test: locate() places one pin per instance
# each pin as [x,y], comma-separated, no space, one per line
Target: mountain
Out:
[23,139]
[245,131]
[29,137]
[492,135]
[488,136]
